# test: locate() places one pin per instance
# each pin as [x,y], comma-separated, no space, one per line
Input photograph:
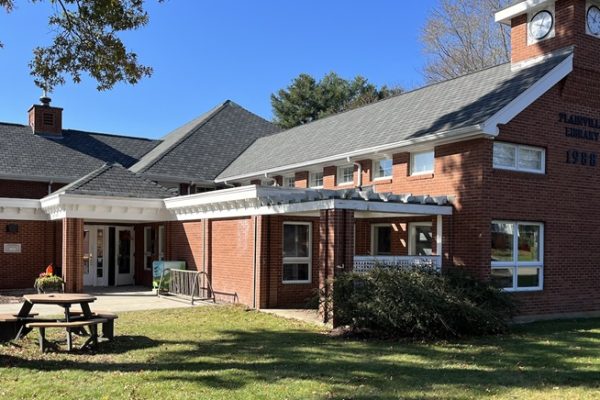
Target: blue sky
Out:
[204,52]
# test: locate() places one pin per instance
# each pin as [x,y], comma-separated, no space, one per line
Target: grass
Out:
[229,353]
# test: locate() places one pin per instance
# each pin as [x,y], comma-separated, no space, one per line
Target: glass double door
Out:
[108,256]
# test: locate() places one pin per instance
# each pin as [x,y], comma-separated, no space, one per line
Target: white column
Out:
[438,236]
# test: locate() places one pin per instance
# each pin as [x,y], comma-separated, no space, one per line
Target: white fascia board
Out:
[62,205]
[22,210]
[516,106]
[218,196]
[40,179]
[506,15]
[190,214]
[434,139]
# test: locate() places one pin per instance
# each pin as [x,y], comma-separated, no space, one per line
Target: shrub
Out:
[420,303]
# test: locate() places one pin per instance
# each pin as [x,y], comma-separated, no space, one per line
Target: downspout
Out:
[50,187]
[204,245]
[254,266]
[360,171]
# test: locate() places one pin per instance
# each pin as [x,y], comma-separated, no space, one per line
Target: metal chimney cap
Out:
[45,100]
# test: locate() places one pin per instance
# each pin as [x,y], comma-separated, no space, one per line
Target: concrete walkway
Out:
[118,299]
[303,315]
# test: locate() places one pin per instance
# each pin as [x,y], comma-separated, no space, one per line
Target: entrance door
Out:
[124,256]
[95,263]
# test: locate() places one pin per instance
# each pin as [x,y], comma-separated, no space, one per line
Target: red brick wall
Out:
[40,241]
[25,189]
[565,199]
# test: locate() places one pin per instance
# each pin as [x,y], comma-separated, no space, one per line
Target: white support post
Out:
[438,236]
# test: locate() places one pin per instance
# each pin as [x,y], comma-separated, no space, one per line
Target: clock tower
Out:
[540,27]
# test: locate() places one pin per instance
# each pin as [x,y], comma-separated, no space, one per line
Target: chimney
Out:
[44,119]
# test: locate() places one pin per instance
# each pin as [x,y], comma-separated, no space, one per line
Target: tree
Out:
[86,41]
[306,100]
[461,36]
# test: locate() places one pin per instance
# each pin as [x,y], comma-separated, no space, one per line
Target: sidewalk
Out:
[132,298]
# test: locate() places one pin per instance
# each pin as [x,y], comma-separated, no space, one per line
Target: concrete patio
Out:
[119,299]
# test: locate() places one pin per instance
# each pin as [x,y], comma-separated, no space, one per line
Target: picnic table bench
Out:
[91,343]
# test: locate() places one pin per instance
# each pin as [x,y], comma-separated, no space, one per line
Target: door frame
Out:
[93,260]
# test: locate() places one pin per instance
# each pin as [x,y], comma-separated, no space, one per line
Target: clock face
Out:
[593,20]
[541,24]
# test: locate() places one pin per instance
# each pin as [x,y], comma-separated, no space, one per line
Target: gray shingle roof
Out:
[77,153]
[199,150]
[458,103]
[114,180]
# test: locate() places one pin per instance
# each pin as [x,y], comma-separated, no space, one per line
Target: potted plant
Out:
[47,282]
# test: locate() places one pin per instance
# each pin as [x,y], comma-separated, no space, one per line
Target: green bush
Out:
[420,303]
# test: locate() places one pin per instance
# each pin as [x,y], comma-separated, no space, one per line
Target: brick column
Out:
[336,254]
[72,254]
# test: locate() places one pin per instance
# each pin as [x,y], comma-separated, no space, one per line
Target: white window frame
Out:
[147,237]
[412,163]
[341,175]
[297,260]
[374,227]
[515,263]
[287,179]
[311,180]
[412,237]
[516,167]
[375,169]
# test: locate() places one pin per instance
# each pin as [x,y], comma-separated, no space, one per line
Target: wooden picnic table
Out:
[64,300]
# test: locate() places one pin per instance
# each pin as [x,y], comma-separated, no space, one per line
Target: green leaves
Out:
[87,41]
[306,100]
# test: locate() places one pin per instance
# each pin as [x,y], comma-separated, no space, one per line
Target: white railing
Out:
[365,263]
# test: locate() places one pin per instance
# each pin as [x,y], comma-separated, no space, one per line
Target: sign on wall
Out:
[581,128]
[12,247]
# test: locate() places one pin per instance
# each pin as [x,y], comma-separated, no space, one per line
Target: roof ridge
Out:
[119,135]
[208,116]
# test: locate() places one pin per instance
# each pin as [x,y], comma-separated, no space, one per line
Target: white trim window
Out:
[381,239]
[420,239]
[149,245]
[517,157]
[422,163]
[383,168]
[517,255]
[289,181]
[315,180]
[297,252]
[345,175]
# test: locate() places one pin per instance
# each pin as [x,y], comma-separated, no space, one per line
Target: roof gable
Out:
[199,150]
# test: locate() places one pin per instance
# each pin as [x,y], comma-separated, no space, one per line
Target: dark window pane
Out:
[295,272]
[502,242]
[528,277]
[295,240]
[423,241]
[383,240]
[502,277]
[529,243]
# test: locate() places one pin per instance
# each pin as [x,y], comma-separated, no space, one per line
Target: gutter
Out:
[465,132]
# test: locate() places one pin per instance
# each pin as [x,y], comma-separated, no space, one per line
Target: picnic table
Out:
[73,321]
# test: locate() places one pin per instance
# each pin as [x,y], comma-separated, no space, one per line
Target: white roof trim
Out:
[21,209]
[506,15]
[257,200]
[60,205]
[526,98]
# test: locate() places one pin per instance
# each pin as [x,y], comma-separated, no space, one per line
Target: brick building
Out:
[494,172]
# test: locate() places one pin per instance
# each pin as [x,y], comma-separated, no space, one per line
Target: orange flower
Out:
[50,270]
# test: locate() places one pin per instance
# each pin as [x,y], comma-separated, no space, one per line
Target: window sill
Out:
[296,282]
[345,184]
[381,181]
[420,177]
[523,290]
[525,174]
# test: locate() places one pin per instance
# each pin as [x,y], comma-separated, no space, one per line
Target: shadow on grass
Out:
[536,356]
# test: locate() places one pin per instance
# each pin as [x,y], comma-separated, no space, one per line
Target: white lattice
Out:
[366,263]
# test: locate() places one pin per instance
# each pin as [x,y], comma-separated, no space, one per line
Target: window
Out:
[345,175]
[316,180]
[420,239]
[517,255]
[422,163]
[519,158]
[381,240]
[382,168]
[149,238]
[297,252]
[289,181]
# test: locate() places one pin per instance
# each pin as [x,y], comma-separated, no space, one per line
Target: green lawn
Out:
[229,353]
